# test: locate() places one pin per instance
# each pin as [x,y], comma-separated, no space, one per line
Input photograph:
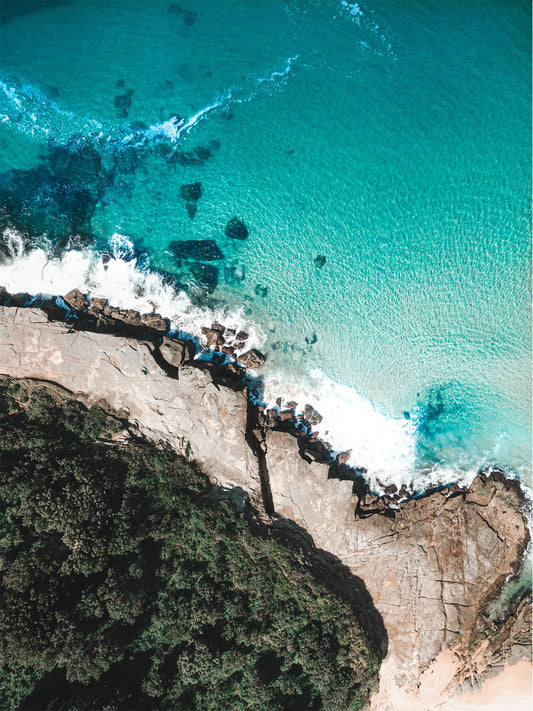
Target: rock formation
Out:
[431,564]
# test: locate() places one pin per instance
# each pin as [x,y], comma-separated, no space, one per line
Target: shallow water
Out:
[391,138]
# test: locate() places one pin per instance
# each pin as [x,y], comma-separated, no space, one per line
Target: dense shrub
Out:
[124,585]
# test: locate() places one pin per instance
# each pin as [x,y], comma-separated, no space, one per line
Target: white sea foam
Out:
[28,109]
[365,19]
[120,280]
[175,128]
[383,445]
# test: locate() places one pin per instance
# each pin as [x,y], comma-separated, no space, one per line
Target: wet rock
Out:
[311,415]
[241,336]
[124,318]
[232,371]
[343,457]
[228,350]
[236,229]
[97,306]
[206,275]
[218,327]
[213,337]
[252,359]
[285,415]
[230,331]
[480,491]
[319,261]
[20,299]
[155,322]
[205,250]
[391,489]
[191,192]
[79,241]
[370,504]
[76,300]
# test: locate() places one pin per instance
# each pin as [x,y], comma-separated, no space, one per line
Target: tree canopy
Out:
[125,585]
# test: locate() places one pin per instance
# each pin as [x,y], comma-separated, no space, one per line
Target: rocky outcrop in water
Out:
[432,564]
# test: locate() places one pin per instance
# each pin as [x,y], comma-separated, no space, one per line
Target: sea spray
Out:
[118,278]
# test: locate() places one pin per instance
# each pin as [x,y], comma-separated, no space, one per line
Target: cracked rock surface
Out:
[431,566]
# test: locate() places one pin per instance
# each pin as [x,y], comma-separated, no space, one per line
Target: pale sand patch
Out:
[512,689]
[509,691]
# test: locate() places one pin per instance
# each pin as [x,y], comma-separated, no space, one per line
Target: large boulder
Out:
[175,352]
[76,301]
[252,359]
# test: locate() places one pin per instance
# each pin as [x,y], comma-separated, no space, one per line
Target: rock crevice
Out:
[431,566]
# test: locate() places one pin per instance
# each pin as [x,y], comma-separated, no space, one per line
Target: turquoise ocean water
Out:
[392,138]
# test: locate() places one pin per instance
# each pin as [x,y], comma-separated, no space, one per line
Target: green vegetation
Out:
[124,585]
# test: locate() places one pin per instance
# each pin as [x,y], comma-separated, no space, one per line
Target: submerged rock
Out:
[191,192]
[122,101]
[319,261]
[236,229]
[188,16]
[206,275]
[260,290]
[191,209]
[205,250]
[235,272]
[129,158]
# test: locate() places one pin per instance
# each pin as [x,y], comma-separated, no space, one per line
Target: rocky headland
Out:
[433,565]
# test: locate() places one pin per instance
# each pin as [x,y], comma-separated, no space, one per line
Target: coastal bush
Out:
[125,585]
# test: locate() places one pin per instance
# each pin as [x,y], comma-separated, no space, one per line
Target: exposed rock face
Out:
[199,419]
[175,352]
[430,565]
[76,300]
[252,359]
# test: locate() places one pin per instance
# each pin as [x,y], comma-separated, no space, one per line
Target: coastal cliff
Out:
[432,565]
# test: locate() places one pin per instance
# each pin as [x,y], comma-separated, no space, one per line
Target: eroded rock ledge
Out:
[431,565]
